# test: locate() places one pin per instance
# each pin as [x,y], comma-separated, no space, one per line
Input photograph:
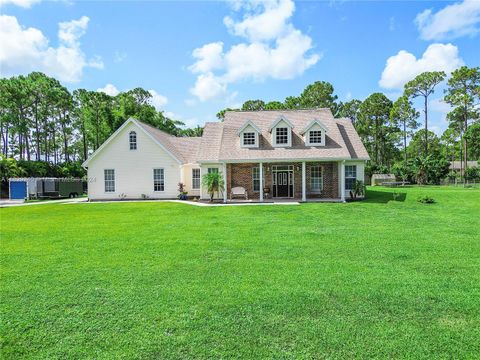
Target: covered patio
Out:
[305,181]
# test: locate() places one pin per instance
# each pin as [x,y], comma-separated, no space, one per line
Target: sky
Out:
[199,57]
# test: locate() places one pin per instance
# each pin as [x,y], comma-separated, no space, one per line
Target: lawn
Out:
[372,279]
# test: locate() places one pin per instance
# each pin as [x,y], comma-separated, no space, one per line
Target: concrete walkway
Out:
[11,203]
[196,203]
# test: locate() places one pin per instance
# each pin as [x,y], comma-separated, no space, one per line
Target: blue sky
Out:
[199,57]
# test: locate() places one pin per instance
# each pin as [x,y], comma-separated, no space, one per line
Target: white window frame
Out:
[110,188]
[195,178]
[349,176]
[212,170]
[322,138]
[256,178]
[255,139]
[132,140]
[289,136]
[313,168]
[161,179]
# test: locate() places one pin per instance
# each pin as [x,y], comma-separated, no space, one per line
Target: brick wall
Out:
[241,175]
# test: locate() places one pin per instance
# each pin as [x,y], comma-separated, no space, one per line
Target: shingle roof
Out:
[220,140]
[184,149]
[223,142]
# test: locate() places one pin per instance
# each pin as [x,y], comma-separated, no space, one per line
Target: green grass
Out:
[372,279]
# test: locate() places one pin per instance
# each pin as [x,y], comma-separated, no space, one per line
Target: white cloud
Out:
[405,66]
[208,86]
[22,3]
[268,24]
[274,49]
[209,57]
[452,21]
[109,89]
[23,50]
[157,100]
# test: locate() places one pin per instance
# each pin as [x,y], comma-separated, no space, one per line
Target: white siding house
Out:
[133,169]
[301,154]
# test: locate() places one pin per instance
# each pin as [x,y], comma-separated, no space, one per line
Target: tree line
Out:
[42,120]
[390,130]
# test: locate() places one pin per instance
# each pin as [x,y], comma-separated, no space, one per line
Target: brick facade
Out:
[242,175]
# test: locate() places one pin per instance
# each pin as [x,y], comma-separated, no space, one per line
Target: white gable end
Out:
[133,168]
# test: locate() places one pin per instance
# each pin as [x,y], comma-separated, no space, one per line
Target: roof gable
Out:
[311,124]
[279,120]
[147,129]
[247,124]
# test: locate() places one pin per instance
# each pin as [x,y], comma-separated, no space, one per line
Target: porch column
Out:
[304,181]
[225,188]
[261,181]
[342,181]
[201,183]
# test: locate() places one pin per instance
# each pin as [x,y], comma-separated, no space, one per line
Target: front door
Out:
[282,184]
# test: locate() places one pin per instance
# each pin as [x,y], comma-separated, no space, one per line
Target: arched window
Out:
[133,140]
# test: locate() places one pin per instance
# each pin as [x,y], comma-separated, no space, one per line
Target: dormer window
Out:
[315,137]
[314,133]
[133,140]
[249,135]
[249,138]
[281,136]
[281,130]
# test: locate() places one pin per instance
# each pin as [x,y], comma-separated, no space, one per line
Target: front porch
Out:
[307,181]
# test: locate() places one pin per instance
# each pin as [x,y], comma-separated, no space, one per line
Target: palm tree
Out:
[422,165]
[213,182]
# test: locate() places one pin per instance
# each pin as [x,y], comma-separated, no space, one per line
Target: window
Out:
[316,178]
[256,178]
[195,178]
[350,176]
[133,140]
[158,180]
[248,138]
[281,135]
[212,170]
[315,137]
[109,175]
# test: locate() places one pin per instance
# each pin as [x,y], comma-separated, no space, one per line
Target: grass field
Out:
[378,278]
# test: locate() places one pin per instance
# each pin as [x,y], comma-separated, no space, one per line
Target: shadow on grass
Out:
[383,197]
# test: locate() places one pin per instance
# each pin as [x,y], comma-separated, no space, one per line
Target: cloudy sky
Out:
[199,57]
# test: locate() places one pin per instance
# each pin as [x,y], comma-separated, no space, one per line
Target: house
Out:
[299,154]
[459,166]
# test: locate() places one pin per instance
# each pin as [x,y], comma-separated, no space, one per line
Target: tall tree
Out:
[404,115]
[350,109]
[463,94]
[253,105]
[274,105]
[320,94]
[374,126]
[423,86]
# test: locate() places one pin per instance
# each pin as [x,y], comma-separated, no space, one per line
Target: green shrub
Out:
[425,199]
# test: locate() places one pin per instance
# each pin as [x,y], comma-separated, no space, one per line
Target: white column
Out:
[225,188]
[201,182]
[342,181]
[304,181]
[261,182]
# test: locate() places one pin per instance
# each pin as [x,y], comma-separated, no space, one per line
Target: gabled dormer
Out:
[249,135]
[314,133]
[281,131]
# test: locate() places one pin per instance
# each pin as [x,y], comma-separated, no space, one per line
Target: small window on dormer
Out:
[133,140]
[315,137]
[281,135]
[248,138]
